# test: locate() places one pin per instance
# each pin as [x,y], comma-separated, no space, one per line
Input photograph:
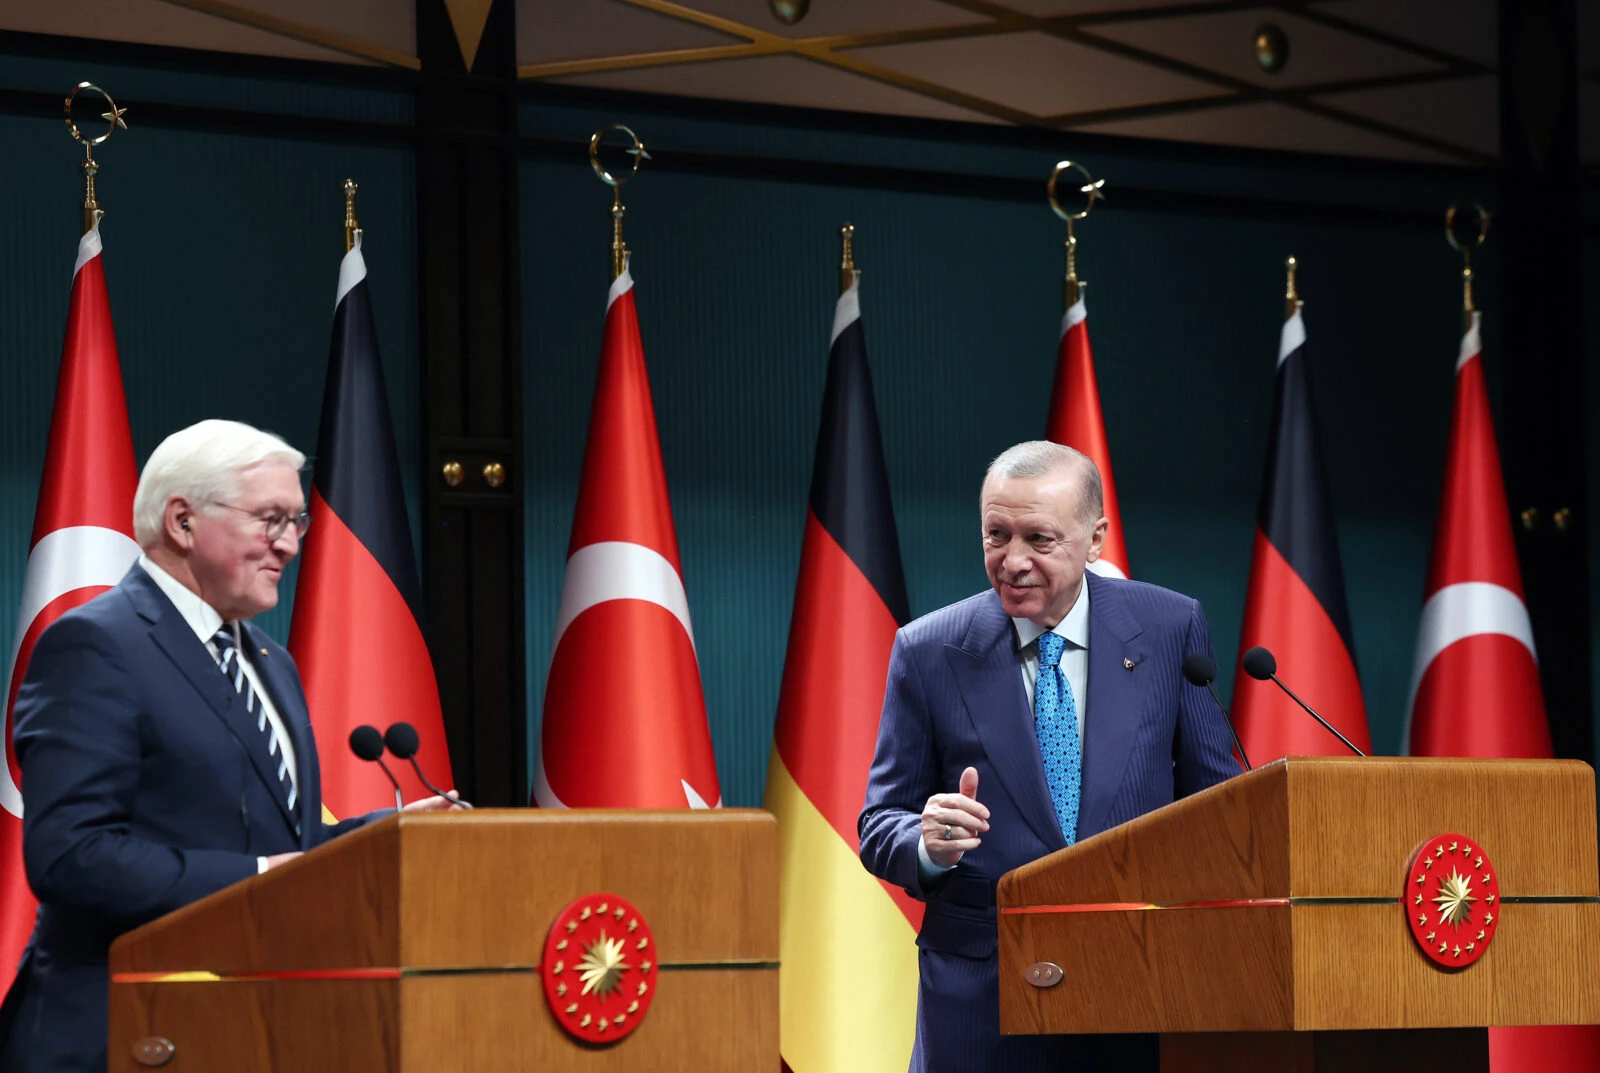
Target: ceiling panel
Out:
[1465,28]
[1463,111]
[833,18]
[1035,73]
[152,22]
[1047,8]
[390,24]
[549,31]
[1223,42]
[1270,125]
[789,80]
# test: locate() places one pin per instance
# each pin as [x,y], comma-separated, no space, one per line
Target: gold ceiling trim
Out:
[1077,29]
[299,31]
[467,20]
[558,68]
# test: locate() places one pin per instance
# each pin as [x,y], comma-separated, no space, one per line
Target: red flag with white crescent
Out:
[624,715]
[1475,683]
[82,538]
[1076,421]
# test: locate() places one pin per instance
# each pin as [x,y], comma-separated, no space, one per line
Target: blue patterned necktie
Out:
[1055,723]
[233,670]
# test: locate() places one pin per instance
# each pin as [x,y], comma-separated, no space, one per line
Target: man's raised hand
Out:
[952,823]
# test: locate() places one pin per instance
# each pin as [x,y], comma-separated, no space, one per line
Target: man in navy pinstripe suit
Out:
[1106,729]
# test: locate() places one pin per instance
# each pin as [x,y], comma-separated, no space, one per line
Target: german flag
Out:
[849,977]
[1295,605]
[357,633]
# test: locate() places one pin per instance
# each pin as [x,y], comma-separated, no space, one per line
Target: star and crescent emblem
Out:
[599,968]
[1451,900]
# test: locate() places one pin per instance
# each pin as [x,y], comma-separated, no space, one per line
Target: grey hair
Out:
[201,463]
[1035,458]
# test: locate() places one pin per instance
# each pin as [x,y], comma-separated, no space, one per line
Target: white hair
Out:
[202,464]
[1035,458]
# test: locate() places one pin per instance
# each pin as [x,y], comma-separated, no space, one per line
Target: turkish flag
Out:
[624,715]
[357,634]
[1475,683]
[82,538]
[1075,420]
[1295,604]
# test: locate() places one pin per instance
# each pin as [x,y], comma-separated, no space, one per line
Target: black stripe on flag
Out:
[849,480]
[1295,514]
[357,469]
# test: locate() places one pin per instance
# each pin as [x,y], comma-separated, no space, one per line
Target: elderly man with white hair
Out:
[165,746]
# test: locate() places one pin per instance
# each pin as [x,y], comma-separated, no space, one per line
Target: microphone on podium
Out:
[367,744]
[403,742]
[1260,664]
[1201,670]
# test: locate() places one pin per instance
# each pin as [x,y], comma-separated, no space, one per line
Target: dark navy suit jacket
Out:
[955,698]
[144,789]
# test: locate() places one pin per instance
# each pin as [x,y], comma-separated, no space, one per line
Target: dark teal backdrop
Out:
[221,255]
[736,280]
[222,245]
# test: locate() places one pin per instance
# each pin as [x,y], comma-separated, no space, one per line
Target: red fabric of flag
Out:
[1076,420]
[1475,683]
[624,714]
[82,538]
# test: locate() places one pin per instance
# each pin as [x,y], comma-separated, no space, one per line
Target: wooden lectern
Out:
[1259,924]
[414,946]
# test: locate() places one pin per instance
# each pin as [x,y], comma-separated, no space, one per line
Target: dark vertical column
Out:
[1542,378]
[472,396]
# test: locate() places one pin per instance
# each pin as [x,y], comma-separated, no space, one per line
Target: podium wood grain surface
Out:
[1308,858]
[461,903]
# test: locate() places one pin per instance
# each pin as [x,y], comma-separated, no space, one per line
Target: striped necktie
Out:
[233,670]
[1055,723]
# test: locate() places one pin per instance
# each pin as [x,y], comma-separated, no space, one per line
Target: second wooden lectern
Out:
[1265,923]
[423,943]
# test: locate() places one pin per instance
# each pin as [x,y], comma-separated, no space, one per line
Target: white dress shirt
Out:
[1074,630]
[205,621]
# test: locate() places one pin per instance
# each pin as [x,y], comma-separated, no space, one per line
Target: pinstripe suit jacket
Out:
[954,699]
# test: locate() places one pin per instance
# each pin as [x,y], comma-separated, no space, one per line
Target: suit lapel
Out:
[1115,701]
[188,654]
[989,676]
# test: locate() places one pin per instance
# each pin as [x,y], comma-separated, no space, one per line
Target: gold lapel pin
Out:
[1128,663]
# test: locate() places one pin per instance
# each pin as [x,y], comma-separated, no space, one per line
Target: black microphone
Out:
[1260,664]
[367,744]
[403,742]
[1201,670]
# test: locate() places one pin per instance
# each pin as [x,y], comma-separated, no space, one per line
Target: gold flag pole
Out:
[352,230]
[619,248]
[1091,190]
[91,167]
[847,258]
[1292,302]
[1468,308]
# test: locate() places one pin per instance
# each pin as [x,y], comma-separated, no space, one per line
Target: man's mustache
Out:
[1021,581]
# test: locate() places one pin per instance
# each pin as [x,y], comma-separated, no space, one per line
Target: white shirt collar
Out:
[202,618]
[1074,627]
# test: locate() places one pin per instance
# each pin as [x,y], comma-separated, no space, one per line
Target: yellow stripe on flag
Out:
[848,983]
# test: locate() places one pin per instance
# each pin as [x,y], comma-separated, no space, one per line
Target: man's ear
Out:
[175,523]
[1097,539]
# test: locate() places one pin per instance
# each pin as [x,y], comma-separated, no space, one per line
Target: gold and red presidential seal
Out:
[599,968]
[1452,900]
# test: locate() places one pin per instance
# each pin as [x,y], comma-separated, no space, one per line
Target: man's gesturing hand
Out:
[951,823]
